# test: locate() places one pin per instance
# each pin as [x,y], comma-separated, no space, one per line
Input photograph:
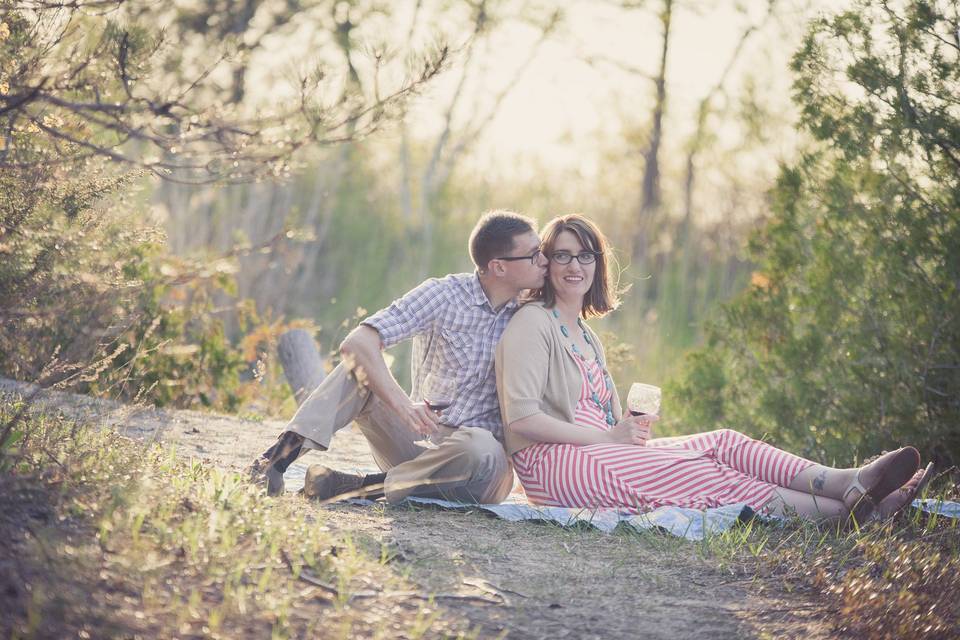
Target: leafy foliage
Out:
[848,339]
[90,300]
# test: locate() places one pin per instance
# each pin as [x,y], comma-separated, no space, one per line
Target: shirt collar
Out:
[479,296]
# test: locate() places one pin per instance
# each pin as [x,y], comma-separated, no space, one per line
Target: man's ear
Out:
[495,267]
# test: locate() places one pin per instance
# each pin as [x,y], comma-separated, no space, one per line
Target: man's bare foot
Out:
[905,495]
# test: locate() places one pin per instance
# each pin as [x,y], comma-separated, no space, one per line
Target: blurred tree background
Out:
[202,174]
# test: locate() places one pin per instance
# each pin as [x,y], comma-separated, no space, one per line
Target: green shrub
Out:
[92,302]
[848,339]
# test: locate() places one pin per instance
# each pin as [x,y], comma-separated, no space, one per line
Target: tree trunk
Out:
[301,361]
[650,198]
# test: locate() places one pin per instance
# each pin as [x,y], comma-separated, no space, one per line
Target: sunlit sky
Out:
[569,115]
[563,105]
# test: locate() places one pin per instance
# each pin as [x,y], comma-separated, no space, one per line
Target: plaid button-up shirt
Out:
[454,330]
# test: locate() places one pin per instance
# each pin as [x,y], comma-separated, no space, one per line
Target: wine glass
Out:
[438,392]
[643,399]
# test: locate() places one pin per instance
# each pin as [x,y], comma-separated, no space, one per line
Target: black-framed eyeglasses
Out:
[565,257]
[533,257]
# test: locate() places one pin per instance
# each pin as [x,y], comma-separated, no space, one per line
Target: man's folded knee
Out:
[479,449]
[477,441]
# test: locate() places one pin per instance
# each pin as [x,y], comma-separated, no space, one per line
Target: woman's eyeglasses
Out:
[565,257]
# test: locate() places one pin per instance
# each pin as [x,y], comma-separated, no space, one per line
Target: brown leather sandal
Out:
[896,468]
[902,498]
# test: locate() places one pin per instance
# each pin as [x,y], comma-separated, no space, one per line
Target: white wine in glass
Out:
[643,399]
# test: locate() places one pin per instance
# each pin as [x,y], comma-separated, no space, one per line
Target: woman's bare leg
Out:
[861,489]
[787,502]
[824,481]
[835,483]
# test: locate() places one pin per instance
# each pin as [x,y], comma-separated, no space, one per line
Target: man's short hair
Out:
[494,233]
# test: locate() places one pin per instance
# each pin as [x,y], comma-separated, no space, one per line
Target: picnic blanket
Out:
[692,524]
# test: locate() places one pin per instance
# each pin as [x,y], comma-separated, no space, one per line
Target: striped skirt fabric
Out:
[699,471]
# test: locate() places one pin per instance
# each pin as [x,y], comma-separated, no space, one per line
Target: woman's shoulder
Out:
[531,317]
[532,312]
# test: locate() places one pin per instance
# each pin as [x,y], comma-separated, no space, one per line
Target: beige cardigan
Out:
[536,372]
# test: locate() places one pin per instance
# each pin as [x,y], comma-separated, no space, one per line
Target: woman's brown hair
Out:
[604,295]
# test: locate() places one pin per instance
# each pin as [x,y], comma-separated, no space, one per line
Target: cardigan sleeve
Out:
[523,362]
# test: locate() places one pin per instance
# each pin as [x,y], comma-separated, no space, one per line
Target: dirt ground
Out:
[531,580]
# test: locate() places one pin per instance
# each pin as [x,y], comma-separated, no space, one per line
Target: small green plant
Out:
[107,537]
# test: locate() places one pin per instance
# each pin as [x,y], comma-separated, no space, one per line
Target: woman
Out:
[572,446]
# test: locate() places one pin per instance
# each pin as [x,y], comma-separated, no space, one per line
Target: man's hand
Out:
[420,418]
[361,352]
[632,430]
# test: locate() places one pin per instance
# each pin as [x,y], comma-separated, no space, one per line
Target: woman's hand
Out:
[632,430]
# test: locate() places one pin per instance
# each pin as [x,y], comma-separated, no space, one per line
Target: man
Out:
[455,323]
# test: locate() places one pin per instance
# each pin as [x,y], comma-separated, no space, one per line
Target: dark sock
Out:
[285,451]
[373,478]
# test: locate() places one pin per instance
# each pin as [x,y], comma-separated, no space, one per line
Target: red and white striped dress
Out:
[699,471]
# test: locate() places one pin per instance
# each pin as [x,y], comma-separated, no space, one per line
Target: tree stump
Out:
[301,361]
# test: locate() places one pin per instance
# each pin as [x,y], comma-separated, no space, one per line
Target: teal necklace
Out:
[607,409]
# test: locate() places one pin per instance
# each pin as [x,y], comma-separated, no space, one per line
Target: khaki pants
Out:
[468,465]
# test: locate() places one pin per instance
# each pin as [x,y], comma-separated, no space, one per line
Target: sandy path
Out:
[556,582]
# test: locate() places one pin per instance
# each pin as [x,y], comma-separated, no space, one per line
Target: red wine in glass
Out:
[438,391]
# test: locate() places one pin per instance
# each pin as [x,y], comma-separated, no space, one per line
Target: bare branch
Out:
[443,139]
[471,136]
[598,60]
[62,90]
[703,112]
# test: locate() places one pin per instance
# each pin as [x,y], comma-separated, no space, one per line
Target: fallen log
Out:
[301,362]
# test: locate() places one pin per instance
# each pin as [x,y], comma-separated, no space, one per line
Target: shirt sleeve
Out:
[411,315]
[523,363]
